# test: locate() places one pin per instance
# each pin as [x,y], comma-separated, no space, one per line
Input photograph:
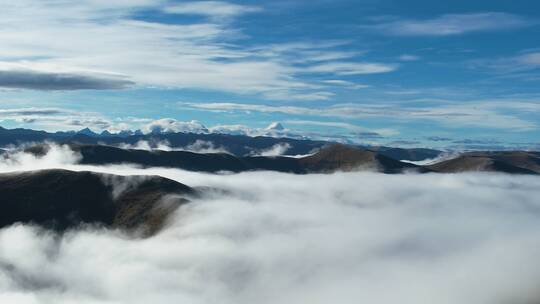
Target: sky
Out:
[403,73]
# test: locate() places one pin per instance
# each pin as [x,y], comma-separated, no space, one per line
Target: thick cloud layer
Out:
[280,238]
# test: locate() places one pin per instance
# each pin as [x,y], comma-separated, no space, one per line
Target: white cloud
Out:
[347,84]
[344,125]
[487,114]
[204,54]
[278,149]
[306,52]
[454,24]
[214,9]
[147,145]
[280,238]
[198,146]
[298,96]
[408,57]
[335,124]
[510,65]
[204,146]
[231,129]
[170,125]
[530,58]
[349,68]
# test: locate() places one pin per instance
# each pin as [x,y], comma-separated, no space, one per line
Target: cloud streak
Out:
[56,81]
[207,53]
[213,9]
[454,24]
[484,114]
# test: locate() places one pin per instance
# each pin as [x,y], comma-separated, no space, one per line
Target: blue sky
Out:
[405,73]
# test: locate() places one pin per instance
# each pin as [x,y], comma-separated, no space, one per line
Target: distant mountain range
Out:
[275,129]
[193,151]
[238,145]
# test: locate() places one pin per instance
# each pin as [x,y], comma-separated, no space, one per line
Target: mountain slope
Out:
[210,162]
[413,154]
[346,158]
[238,145]
[518,162]
[61,199]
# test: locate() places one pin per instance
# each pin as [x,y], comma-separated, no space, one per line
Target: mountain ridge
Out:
[521,162]
[329,159]
[61,199]
[238,145]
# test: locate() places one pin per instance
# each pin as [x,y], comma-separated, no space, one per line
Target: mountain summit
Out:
[87,132]
[276,126]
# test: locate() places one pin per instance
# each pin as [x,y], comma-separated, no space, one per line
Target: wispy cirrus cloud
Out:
[213,9]
[485,114]
[530,58]
[201,53]
[348,68]
[453,24]
[516,63]
[344,83]
[409,57]
[335,124]
[355,129]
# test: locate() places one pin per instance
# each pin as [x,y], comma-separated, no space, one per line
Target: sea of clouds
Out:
[358,237]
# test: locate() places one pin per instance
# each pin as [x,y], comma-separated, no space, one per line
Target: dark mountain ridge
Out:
[61,199]
[329,159]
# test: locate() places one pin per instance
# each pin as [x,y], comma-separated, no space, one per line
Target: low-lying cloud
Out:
[275,150]
[281,238]
[148,145]
[198,146]
[204,146]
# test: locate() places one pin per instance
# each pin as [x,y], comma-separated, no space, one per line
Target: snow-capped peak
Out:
[277,126]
